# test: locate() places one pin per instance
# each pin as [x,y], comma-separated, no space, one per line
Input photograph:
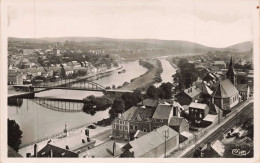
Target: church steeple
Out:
[231,74]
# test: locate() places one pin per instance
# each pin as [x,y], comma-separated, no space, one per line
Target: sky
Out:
[212,23]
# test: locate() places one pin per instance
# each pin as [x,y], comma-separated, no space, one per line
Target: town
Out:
[205,107]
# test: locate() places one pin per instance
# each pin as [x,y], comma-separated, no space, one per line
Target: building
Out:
[149,103]
[28,51]
[136,118]
[162,115]
[179,124]
[220,64]
[188,95]
[54,151]
[15,78]
[250,80]
[153,144]
[231,74]
[244,91]
[225,95]
[77,143]
[105,150]
[197,112]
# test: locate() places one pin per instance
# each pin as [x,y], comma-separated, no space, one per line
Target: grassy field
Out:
[144,80]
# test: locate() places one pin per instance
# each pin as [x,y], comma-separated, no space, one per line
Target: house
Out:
[153,144]
[28,51]
[15,78]
[13,153]
[77,143]
[197,112]
[68,70]
[241,77]
[54,151]
[188,95]
[139,133]
[104,150]
[179,124]
[136,118]
[225,95]
[162,115]
[244,91]
[250,81]
[149,103]
[213,150]
[220,64]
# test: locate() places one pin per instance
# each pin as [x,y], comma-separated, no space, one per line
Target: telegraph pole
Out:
[166,136]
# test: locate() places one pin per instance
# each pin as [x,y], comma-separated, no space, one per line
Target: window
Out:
[120,128]
[131,127]
[114,126]
[125,122]
[121,122]
[136,128]
[125,128]
[200,115]
[161,120]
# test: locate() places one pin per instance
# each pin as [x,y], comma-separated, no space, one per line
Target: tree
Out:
[165,90]
[118,106]
[152,92]
[14,135]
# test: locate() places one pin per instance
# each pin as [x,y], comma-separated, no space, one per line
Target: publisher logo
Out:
[240,152]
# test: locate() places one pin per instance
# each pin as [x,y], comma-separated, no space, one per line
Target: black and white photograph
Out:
[129,79]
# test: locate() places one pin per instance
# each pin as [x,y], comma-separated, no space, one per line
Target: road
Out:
[239,116]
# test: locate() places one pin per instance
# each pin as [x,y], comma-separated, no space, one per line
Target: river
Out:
[38,122]
[167,73]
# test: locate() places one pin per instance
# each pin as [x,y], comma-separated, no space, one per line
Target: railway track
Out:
[241,115]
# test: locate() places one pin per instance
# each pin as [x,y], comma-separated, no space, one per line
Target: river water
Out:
[167,73]
[38,122]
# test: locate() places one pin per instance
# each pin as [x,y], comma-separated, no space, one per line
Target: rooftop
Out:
[162,111]
[225,89]
[198,105]
[146,143]
[104,150]
[176,121]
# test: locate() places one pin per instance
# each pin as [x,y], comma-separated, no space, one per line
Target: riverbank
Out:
[147,79]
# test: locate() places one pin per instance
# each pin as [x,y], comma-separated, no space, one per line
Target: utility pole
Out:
[166,136]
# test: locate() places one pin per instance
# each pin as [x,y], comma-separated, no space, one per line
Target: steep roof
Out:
[192,91]
[162,111]
[242,87]
[176,121]
[13,153]
[198,105]
[147,142]
[137,114]
[74,142]
[225,89]
[56,152]
[149,102]
[104,150]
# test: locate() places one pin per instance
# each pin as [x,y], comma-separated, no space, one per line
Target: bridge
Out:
[82,84]
[61,106]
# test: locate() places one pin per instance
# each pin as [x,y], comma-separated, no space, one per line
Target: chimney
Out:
[133,154]
[35,150]
[114,148]
[50,153]
[67,147]
[87,132]
[28,154]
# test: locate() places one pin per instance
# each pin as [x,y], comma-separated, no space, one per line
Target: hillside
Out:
[136,48]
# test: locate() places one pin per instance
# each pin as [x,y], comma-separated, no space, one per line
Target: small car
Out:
[92,126]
